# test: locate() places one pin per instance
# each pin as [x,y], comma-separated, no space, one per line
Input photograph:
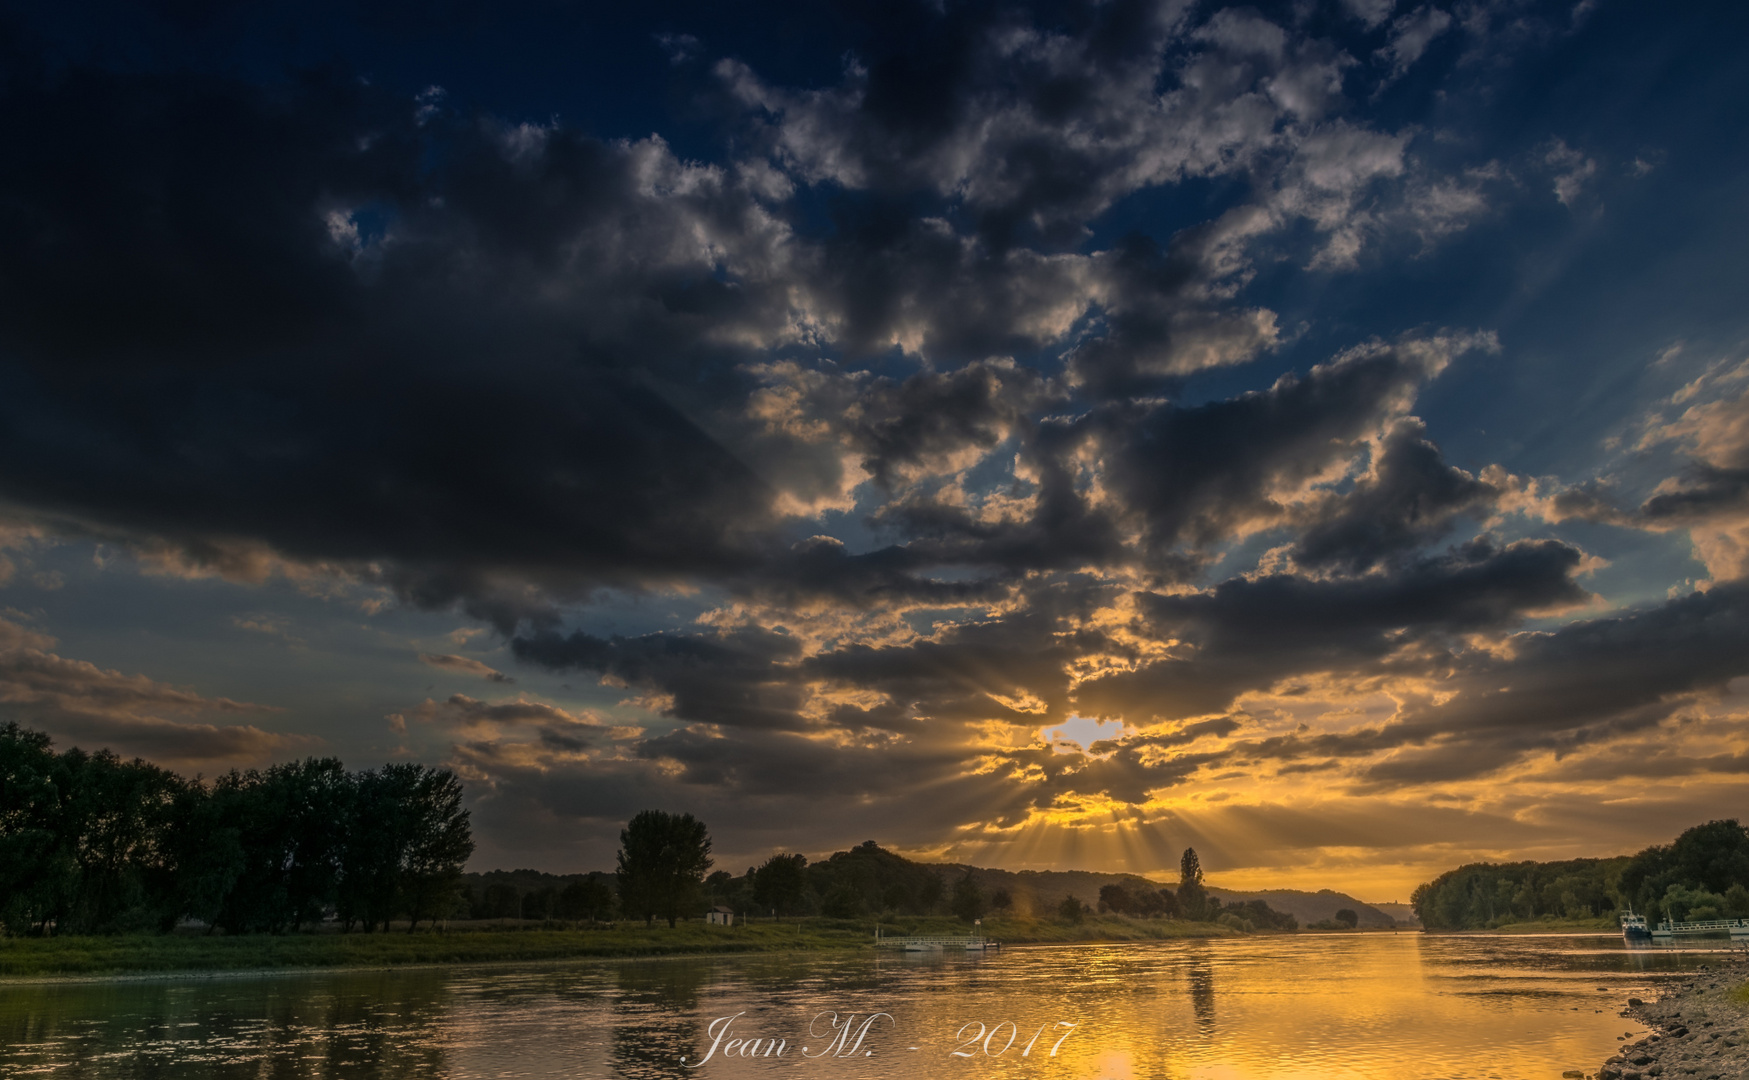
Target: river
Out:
[1374,1005]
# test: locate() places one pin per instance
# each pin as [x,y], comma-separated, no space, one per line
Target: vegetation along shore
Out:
[33,958]
[110,866]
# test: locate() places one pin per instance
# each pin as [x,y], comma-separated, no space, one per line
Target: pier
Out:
[1737,928]
[939,943]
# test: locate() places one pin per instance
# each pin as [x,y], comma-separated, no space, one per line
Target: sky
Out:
[1033,435]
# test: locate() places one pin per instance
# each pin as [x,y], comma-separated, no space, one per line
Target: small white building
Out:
[720,916]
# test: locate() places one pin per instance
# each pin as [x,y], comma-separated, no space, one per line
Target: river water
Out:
[1385,1006]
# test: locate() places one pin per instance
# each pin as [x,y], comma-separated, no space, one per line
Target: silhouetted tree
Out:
[1348,917]
[1192,897]
[206,848]
[1000,900]
[405,849]
[92,843]
[968,899]
[1189,868]
[1071,910]
[841,902]
[438,842]
[539,903]
[1115,897]
[498,901]
[662,862]
[37,868]
[720,885]
[929,892]
[113,825]
[780,883]
[587,899]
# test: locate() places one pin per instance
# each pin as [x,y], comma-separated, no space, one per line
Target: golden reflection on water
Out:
[1368,1006]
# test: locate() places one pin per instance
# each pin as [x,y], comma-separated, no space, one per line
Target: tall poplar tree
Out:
[663,858]
[1192,897]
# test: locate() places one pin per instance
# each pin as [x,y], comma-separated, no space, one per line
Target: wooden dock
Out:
[939,943]
[1737,928]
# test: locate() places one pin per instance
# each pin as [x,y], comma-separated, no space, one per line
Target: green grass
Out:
[37,957]
[1560,926]
[146,952]
[1740,995]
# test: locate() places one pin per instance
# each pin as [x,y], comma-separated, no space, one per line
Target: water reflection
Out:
[1381,1006]
[296,1026]
[655,1026]
[1202,994]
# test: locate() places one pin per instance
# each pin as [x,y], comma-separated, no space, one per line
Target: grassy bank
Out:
[1606,924]
[1094,928]
[463,944]
[151,952]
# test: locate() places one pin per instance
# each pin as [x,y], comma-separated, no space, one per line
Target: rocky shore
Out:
[1698,1030]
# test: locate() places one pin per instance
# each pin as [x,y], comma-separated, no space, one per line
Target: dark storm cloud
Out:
[767,789]
[1038,120]
[934,415]
[923,373]
[741,678]
[237,316]
[1029,123]
[799,768]
[1199,474]
[1192,477]
[1248,634]
[499,365]
[248,317]
[1158,325]
[1597,678]
[1409,500]
[1014,669]
[1702,494]
[1655,762]
[821,571]
[1128,770]
[1061,531]
[1575,689]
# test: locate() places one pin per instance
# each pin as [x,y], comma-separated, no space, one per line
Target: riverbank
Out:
[1698,1030]
[1605,925]
[461,944]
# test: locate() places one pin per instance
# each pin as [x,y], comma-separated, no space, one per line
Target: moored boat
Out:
[1633,927]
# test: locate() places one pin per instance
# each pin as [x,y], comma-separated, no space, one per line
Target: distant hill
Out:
[1403,913]
[1042,890]
[1032,891]
[1311,907]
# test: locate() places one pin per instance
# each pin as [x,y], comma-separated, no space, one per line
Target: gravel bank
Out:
[1698,1030]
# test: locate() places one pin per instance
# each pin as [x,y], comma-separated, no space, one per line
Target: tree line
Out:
[869,880]
[90,843]
[1703,874]
[532,895]
[1192,901]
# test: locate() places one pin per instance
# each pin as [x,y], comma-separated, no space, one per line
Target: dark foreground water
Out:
[1386,1006]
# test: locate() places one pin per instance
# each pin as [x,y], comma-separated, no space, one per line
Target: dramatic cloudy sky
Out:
[1034,435]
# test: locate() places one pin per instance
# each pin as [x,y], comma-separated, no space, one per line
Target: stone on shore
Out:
[1698,1031]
